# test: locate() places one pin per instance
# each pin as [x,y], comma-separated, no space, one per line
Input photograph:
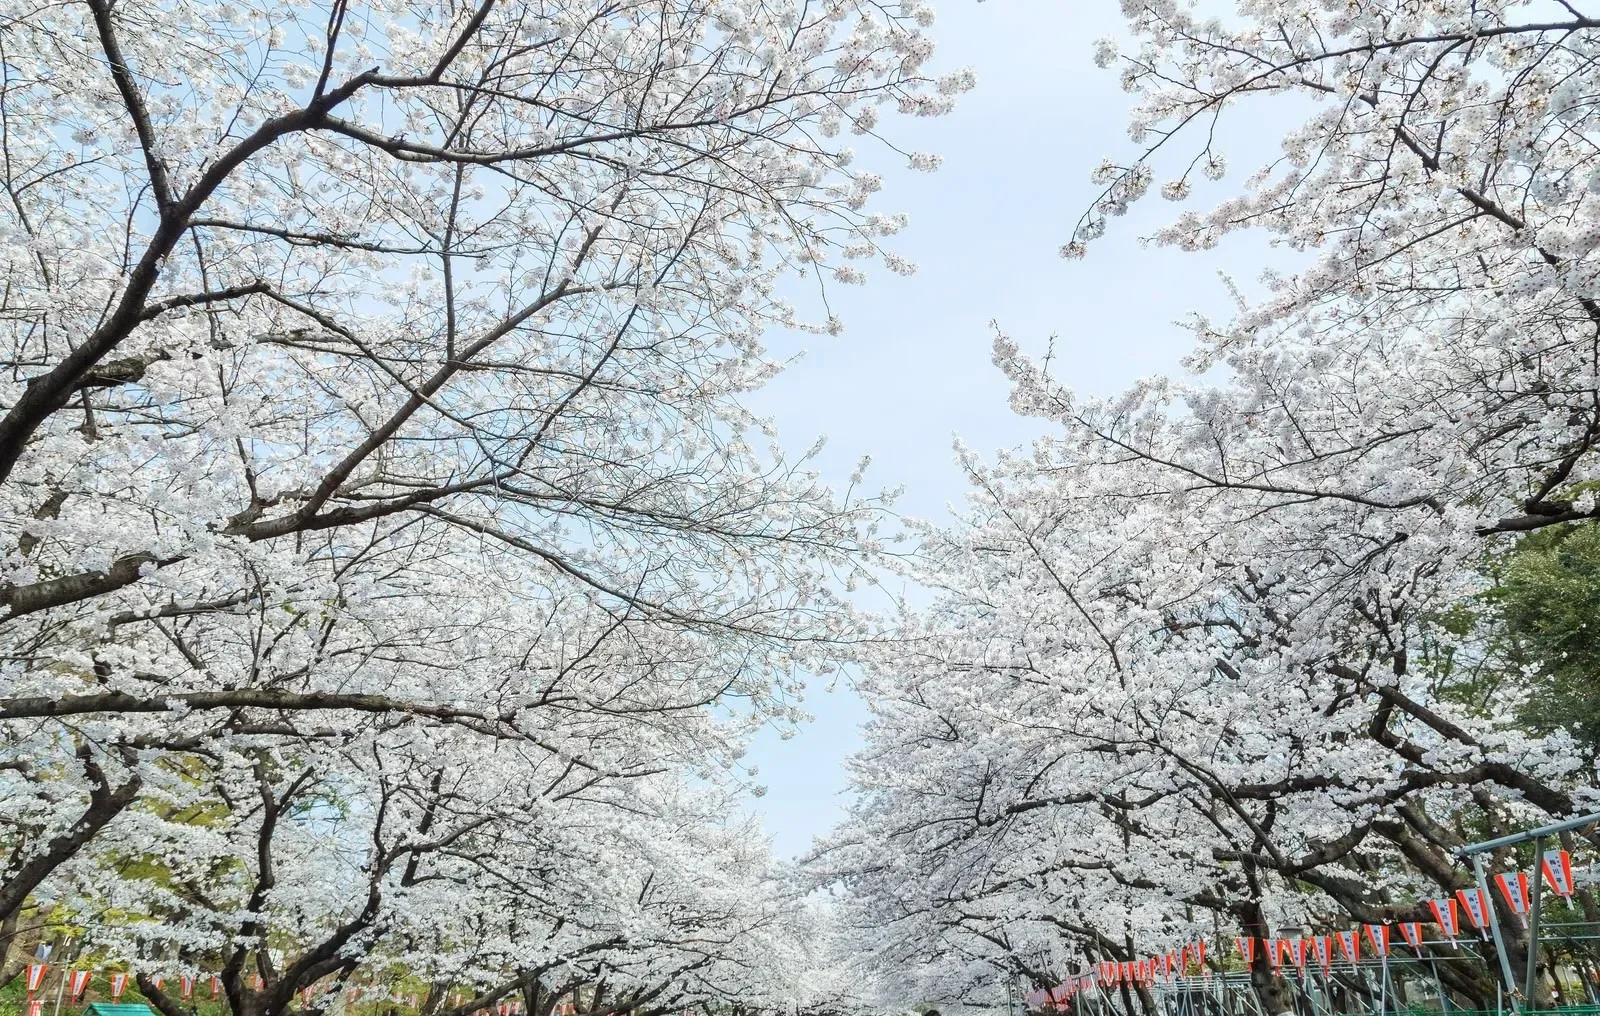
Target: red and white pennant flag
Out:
[119,982]
[1444,914]
[1297,952]
[1515,889]
[1557,865]
[1350,945]
[1378,935]
[1476,902]
[77,985]
[1411,931]
[36,972]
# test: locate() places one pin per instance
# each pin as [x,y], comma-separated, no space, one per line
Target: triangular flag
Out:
[78,984]
[1444,914]
[1515,889]
[1378,935]
[1350,945]
[1411,931]
[186,986]
[36,972]
[1557,866]
[118,983]
[216,986]
[1323,946]
[1247,949]
[35,1007]
[1476,902]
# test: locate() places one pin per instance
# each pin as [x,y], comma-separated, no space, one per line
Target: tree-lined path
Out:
[396,571]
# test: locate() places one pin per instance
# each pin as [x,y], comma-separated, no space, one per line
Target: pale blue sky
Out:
[912,369]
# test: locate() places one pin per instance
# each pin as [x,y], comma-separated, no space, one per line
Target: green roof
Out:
[119,1009]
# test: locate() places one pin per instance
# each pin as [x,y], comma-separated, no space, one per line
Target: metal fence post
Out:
[1530,979]
[1494,927]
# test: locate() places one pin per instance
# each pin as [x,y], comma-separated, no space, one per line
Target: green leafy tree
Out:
[1548,604]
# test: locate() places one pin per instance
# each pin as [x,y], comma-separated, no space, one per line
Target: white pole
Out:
[66,972]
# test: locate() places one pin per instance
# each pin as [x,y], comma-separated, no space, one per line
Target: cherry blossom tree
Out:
[375,477]
[486,877]
[1202,646]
